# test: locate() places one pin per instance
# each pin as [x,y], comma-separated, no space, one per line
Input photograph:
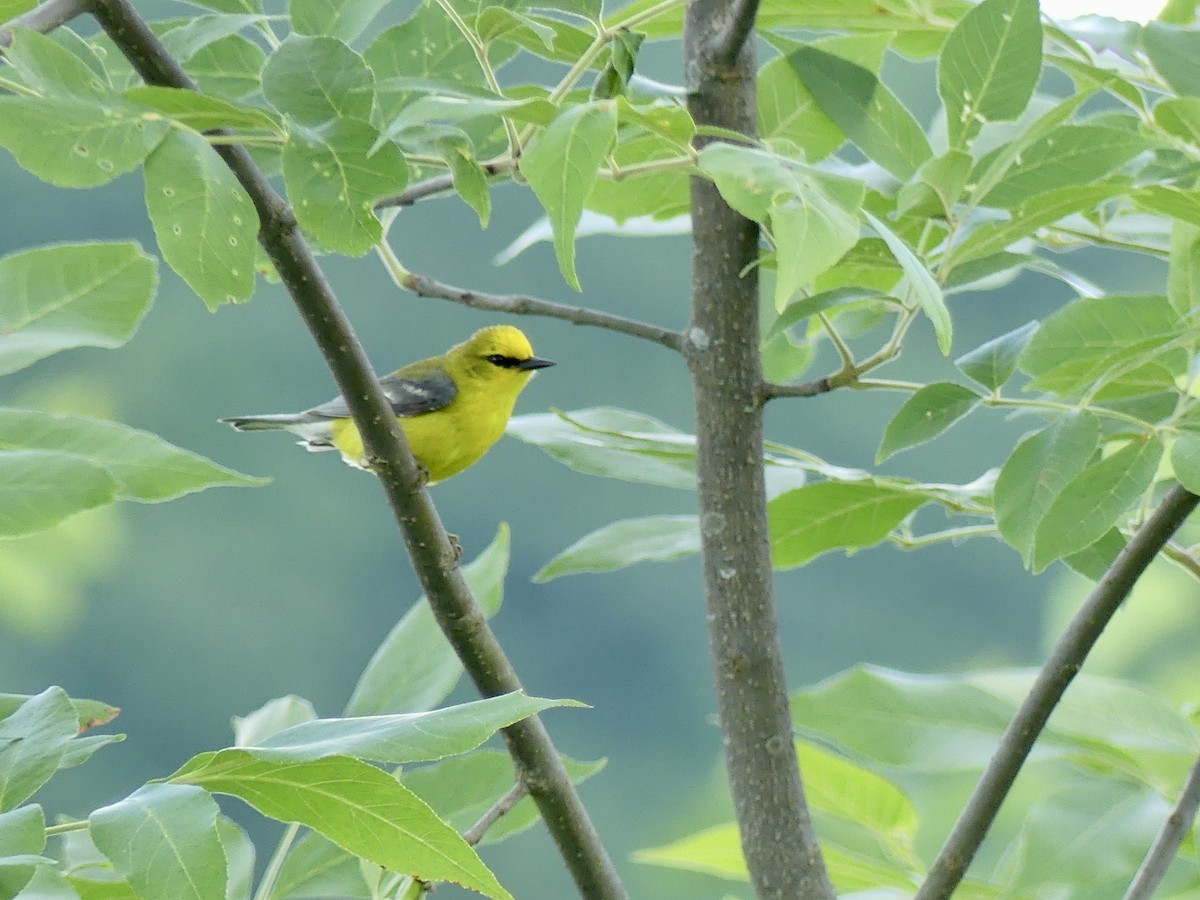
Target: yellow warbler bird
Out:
[452,407]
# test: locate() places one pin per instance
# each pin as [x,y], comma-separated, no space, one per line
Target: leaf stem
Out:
[275,864]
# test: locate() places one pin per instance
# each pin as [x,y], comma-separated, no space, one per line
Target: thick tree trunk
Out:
[722,346]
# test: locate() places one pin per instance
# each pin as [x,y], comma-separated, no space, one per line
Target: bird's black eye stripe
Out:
[504,362]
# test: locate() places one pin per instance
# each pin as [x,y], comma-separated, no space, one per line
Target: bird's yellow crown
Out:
[481,352]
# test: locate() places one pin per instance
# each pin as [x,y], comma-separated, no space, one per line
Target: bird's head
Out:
[500,351]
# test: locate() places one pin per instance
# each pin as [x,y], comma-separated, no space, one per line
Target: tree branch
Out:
[772,389]
[725,46]
[521,305]
[44,18]
[439,184]
[1060,669]
[435,561]
[501,807]
[1170,837]
[722,350]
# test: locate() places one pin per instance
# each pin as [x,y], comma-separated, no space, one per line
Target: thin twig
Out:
[434,559]
[1060,669]
[521,305]
[727,43]
[515,795]
[439,184]
[772,389]
[44,18]
[1170,837]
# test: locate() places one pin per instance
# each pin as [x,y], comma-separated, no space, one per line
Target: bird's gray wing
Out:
[408,396]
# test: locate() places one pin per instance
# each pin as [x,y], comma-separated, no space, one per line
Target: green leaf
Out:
[989,65]
[144,466]
[1038,469]
[623,543]
[32,743]
[203,219]
[1179,116]
[341,19]
[787,110]
[927,723]
[926,414]
[316,80]
[993,363]
[415,668]
[186,40]
[273,716]
[1185,460]
[813,216]
[1174,52]
[411,737]
[470,181]
[40,489]
[713,851]
[1083,341]
[1090,504]
[821,517]
[928,293]
[1038,212]
[50,68]
[1071,155]
[333,181]
[201,112]
[91,713]
[23,831]
[163,839]
[561,166]
[939,184]
[613,443]
[239,859]
[316,867]
[1094,560]
[355,805]
[1170,202]
[1183,274]
[230,67]
[865,109]
[71,295]
[71,142]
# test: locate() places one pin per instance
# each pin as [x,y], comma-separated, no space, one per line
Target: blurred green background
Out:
[187,613]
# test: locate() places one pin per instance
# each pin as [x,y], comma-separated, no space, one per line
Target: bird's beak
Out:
[532,363]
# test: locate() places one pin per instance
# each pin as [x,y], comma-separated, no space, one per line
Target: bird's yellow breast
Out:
[447,440]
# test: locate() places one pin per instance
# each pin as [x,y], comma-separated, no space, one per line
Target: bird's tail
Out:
[278,422]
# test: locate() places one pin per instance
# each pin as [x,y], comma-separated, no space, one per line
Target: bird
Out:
[452,407]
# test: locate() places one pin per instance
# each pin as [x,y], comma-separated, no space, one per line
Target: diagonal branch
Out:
[435,561]
[1170,837]
[726,45]
[1060,669]
[493,814]
[439,184]
[522,305]
[44,18]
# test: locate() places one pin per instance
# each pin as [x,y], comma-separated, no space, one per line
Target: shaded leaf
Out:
[926,414]
[1038,469]
[993,363]
[32,743]
[1092,502]
[624,543]
[865,109]
[316,80]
